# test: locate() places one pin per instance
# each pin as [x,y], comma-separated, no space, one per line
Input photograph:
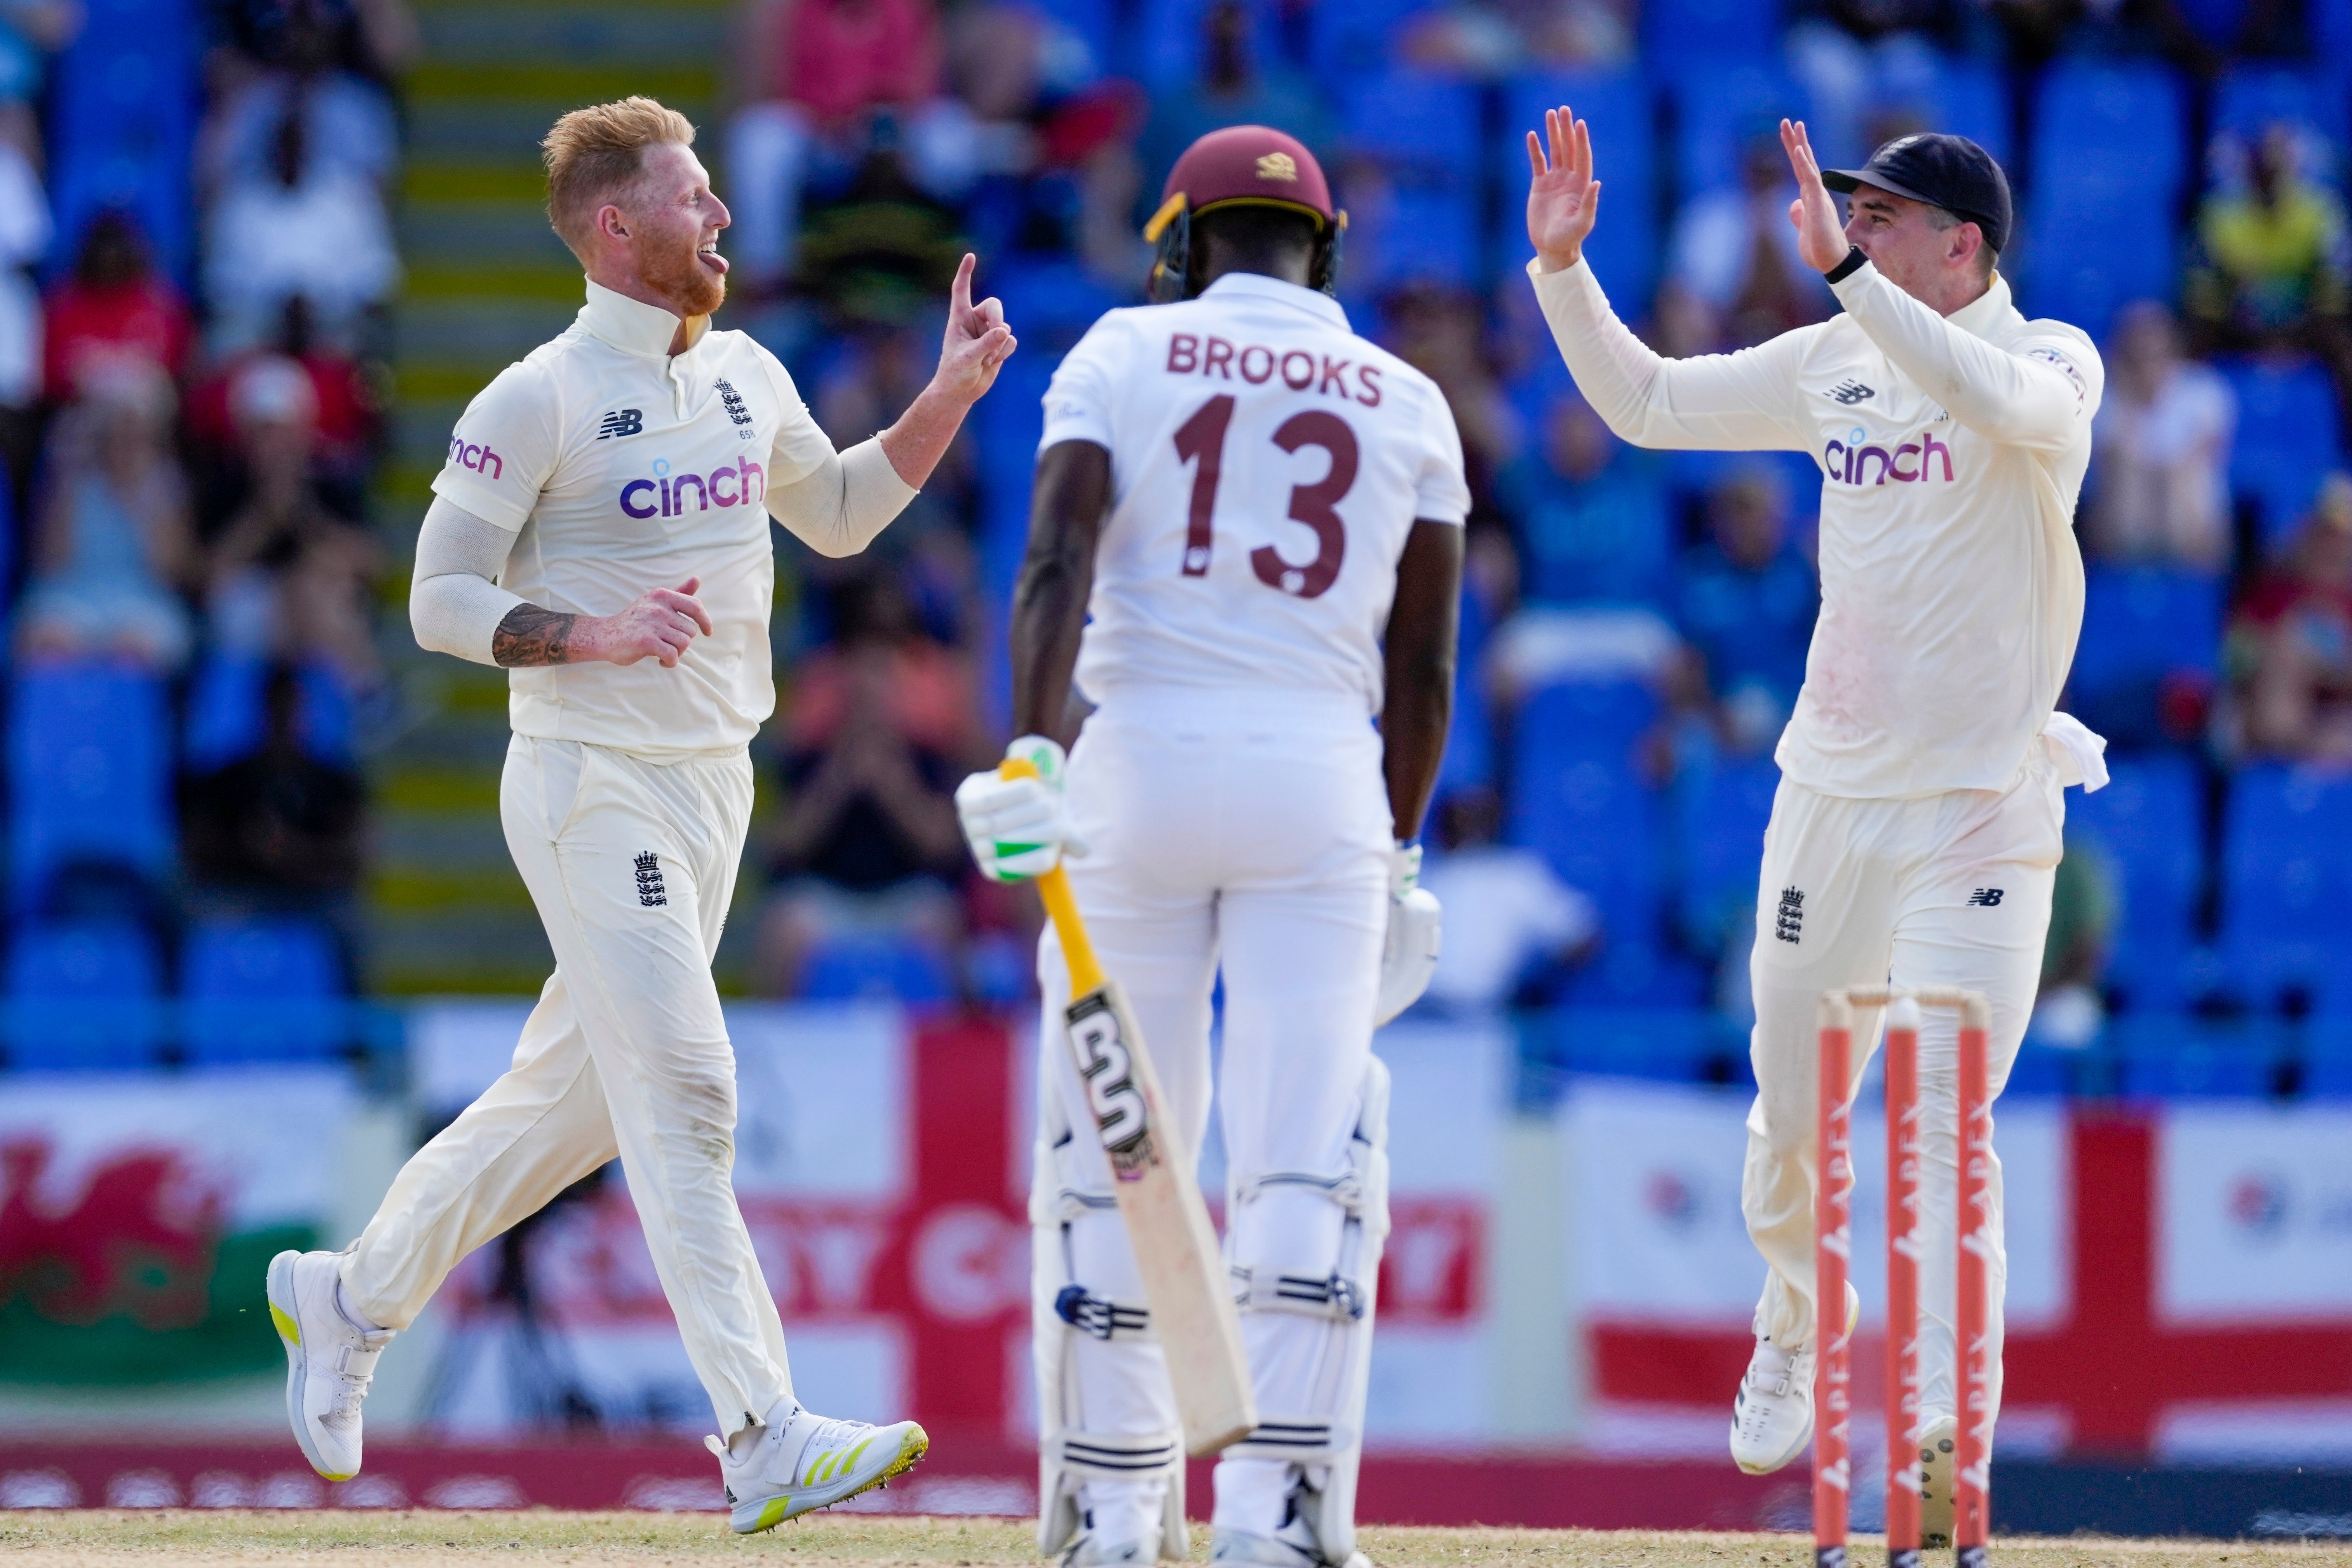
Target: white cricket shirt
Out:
[1951,451]
[1266,466]
[623,468]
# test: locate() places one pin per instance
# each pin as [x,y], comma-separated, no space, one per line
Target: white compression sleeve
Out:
[841,504]
[454,604]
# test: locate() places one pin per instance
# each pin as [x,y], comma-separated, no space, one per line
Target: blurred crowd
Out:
[199,268]
[2179,167]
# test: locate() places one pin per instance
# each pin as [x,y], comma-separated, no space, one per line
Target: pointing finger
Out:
[959,292]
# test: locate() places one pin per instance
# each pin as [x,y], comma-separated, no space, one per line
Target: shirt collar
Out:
[1987,311]
[634,327]
[1258,286]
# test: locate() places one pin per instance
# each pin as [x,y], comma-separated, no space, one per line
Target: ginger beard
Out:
[679,274]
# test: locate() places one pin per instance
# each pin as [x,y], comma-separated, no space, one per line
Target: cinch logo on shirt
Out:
[481,459]
[1860,464]
[729,484]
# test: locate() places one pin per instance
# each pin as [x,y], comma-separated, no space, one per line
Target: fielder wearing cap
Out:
[1246,546]
[601,530]
[1915,832]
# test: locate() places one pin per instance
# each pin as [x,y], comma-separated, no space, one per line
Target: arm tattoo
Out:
[530,636]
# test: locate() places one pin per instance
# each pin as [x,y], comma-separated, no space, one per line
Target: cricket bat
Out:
[1159,1194]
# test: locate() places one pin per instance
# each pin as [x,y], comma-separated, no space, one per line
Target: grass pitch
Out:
[426,1539]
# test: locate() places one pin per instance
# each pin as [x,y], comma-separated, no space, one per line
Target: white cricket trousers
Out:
[1944,889]
[632,864]
[1246,831]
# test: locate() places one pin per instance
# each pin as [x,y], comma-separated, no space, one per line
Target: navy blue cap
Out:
[1948,172]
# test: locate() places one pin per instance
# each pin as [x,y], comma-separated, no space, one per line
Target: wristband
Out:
[1846,268]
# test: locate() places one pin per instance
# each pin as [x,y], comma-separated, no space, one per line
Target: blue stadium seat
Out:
[1349,42]
[2250,97]
[1971,98]
[1420,124]
[2147,824]
[1721,813]
[2087,254]
[225,718]
[2214,21]
[1094,22]
[2115,127]
[1711,29]
[262,990]
[2288,437]
[123,103]
[1577,800]
[84,994]
[89,773]
[1716,104]
[2286,888]
[1623,251]
[1053,298]
[2142,627]
[876,966]
[2176,1058]
[1679,1045]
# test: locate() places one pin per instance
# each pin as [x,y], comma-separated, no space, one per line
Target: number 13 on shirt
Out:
[1201,440]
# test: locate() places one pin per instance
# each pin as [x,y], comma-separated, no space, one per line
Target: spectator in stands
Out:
[2161,443]
[813,76]
[305,224]
[347,421]
[24,233]
[878,734]
[1440,332]
[1735,252]
[114,546]
[111,307]
[2292,644]
[1589,515]
[1514,929]
[321,65]
[289,578]
[1492,38]
[1748,597]
[279,830]
[2069,1010]
[1235,88]
[30,31]
[2271,260]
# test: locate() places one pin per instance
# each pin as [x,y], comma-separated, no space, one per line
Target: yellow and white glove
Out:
[1409,954]
[1019,829]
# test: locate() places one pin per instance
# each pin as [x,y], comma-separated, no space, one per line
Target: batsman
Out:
[1915,835]
[1246,544]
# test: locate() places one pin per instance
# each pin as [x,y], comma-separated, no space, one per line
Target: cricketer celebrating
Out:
[638,450]
[1915,832]
[1246,542]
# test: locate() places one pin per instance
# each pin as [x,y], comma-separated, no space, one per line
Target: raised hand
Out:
[977,341]
[1821,243]
[1563,199]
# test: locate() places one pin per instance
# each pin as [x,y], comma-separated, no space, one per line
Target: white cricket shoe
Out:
[1086,1551]
[330,1359]
[801,1462]
[1297,1544]
[1773,1413]
[1939,1437]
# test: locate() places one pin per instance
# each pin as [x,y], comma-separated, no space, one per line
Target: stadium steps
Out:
[486,283]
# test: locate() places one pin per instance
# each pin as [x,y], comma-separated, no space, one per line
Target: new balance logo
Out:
[1851,393]
[650,891]
[622,422]
[1984,898]
[1790,925]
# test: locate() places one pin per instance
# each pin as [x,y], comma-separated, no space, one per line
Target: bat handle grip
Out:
[1061,904]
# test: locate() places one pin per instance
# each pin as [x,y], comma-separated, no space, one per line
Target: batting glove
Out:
[1409,954]
[1019,828]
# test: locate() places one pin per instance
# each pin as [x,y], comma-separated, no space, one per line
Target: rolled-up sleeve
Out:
[1736,402]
